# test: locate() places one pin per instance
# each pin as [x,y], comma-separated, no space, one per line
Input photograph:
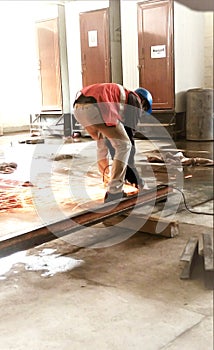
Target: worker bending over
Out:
[109,113]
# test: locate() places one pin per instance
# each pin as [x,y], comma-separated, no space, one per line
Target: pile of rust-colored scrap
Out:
[14,194]
[7,168]
[9,199]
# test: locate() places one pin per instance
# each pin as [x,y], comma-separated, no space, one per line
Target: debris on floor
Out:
[179,157]
[27,184]
[33,141]
[45,261]
[7,168]
[62,156]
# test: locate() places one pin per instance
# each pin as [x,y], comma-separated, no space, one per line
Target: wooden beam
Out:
[208,251]
[208,260]
[189,256]
[142,223]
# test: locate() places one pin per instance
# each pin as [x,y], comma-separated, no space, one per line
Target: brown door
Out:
[95,47]
[49,64]
[156,58]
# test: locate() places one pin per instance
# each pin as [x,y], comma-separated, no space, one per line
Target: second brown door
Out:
[156,56]
[95,47]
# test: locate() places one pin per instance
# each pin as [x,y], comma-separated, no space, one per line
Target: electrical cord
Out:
[177,189]
[185,203]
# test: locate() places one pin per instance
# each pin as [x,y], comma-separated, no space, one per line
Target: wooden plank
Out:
[189,256]
[209,279]
[141,223]
[208,251]
[189,249]
[160,227]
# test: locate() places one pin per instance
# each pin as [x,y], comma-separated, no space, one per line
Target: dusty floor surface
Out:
[126,294]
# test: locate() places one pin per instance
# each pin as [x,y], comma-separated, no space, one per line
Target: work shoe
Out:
[109,197]
[141,183]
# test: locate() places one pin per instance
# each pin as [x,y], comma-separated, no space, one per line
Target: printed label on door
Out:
[92,38]
[158,51]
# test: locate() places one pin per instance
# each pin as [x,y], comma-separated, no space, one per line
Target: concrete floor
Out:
[126,294]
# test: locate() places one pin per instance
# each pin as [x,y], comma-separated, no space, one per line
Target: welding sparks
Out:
[14,198]
[188,176]
[16,195]
[13,195]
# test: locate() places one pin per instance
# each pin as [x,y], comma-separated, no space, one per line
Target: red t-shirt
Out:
[110,98]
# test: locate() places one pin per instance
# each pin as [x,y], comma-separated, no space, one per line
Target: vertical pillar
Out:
[66,108]
[115,41]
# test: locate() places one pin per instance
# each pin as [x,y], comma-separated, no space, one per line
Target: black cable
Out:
[187,208]
[177,189]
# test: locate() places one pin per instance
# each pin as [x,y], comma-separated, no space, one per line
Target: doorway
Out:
[49,65]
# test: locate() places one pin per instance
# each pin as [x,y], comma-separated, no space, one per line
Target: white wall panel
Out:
[129,37]
[208,50]
[18,64]
[189,52]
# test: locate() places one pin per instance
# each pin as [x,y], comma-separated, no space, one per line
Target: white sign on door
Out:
[158,51]
[92,38]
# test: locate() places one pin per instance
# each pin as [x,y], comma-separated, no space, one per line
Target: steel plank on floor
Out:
[43,234]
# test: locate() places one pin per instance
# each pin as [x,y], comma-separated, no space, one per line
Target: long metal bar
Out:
[43,234]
